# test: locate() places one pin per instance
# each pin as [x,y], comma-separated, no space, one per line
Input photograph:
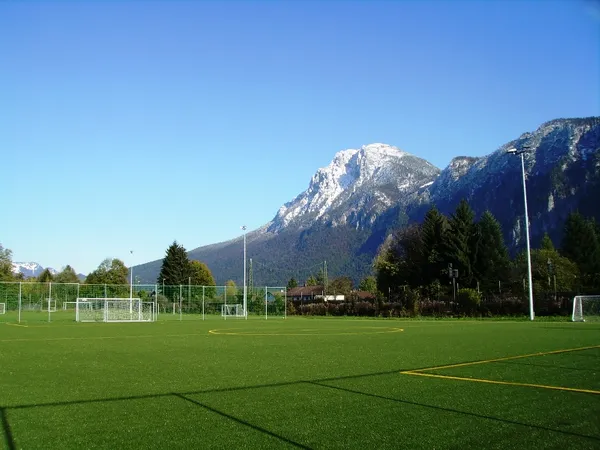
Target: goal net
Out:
[2,308]
[586,308]
[113,310]
[235,310]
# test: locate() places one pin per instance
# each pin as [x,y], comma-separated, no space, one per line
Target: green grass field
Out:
[299,382]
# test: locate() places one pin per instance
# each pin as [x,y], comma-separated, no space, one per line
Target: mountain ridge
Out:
[352,204]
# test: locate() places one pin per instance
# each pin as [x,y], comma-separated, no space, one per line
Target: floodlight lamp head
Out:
[512,150]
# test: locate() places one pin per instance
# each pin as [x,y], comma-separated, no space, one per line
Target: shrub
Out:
[468,300]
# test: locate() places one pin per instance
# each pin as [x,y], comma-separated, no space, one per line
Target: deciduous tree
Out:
[5,264]
[67,275]
[200,274]
[110,271]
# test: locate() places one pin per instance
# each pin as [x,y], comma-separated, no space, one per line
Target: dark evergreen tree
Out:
[547,243]
[492,263]
[46,276]
[176,267]
[581,245]
[401,261]
[292,283]
[462,240]
[433,233]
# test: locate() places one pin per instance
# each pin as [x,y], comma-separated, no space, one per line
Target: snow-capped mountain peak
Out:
[366,180]
[30,269]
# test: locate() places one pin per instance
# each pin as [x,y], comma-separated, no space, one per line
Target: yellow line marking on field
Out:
[507,383]
[485,361]
[420,372]
[343,333]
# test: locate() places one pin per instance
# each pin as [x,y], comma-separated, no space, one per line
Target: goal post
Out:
[114,310]
[50,305]
[233,310]
[2,308]
[586,308]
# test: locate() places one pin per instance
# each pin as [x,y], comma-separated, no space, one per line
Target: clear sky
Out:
[127,125]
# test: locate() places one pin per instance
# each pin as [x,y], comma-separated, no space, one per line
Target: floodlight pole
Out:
[245,292]
[131,277]
[521,153]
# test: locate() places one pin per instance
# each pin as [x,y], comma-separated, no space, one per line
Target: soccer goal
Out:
[113,310]
[69,305]
[586,307]
[50,305]
[234,310]
[2,308]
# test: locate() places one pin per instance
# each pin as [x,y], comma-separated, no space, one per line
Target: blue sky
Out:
[127,125]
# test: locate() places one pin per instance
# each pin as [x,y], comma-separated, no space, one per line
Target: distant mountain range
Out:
[33,269]
[354,203]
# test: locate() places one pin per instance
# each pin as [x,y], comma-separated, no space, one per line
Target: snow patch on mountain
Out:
[373,177]
[30,269]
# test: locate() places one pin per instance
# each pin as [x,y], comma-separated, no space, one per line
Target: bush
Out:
[468,301]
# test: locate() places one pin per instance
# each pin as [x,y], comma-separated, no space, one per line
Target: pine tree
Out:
[433,234]
[581,245]
[176,267]
[408,251]
[292,283]
[461,243]
[492,263]
[45,276]
[546,243]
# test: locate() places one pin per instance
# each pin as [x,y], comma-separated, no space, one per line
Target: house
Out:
[305,293]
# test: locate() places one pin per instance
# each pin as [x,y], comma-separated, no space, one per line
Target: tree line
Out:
[452,257]
[444,256]
[176,269]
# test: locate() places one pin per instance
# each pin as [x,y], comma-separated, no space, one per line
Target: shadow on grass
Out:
[455,411]
[242,422]
[318,382]
[10,442]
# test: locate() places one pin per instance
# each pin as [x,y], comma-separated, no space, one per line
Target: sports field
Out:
[299,382]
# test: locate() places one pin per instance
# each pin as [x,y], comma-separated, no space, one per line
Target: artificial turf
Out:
[298,382]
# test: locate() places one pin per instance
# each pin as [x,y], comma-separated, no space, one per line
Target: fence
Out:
[34,301]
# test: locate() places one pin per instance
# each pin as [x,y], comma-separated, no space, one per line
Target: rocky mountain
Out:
[352,204]
[356,187]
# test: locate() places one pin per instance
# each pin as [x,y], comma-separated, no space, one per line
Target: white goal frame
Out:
[50,305]
[114,310]
[578,306]
[232,310]
[66,305]
[2,308]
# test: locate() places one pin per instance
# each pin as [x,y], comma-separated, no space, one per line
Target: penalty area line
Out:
[507,358]
[504,383]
